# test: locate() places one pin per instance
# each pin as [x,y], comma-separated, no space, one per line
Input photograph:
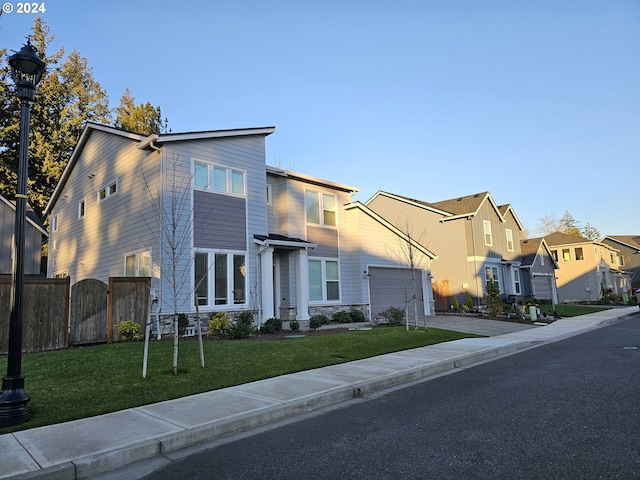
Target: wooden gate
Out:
[88,319]
[128,300]
[442,295]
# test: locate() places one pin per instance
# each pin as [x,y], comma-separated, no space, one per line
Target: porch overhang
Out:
[282,241]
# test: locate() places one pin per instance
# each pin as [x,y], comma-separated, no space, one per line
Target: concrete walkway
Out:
[153,433]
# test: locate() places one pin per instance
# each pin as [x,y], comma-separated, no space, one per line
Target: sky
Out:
[537,102]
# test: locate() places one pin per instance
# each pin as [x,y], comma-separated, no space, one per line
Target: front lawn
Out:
[571,310]
[85,381]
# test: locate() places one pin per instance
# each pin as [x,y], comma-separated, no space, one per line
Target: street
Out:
[566,410]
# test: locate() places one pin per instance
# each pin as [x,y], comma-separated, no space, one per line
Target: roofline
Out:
[313,180]
[234,132]
[613,239]
[86,131]
[367,211]
[406,200]
[29,220]
[513,212]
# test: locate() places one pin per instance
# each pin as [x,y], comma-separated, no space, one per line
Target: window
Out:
[220,274]
[324,280]
[54,224]
[108,191]
[516,281]
[613,258]
[566,254]
[541,255]
[491,275]
[137,264]
[81,208]
[218,179]
[269,193]
[509,240]
[579,254]
[554,254]
[321,208]
[621,260]
[488,239]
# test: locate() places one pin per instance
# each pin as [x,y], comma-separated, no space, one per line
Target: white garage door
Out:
[391,287]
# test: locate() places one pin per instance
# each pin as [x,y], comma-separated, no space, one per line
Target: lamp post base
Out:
[13,402]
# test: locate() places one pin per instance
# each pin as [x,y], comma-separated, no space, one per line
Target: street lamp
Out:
[26,71]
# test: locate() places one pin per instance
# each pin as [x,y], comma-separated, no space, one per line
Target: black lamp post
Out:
[26,71]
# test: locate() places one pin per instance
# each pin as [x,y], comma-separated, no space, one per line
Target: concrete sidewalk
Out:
[90,447]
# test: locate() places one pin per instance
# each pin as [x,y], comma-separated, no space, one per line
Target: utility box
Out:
[533,313]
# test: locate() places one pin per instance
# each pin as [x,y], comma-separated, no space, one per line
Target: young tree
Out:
[141,118]
[66,98]
[493,299]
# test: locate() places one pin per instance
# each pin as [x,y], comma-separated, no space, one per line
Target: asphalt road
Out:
[567,410]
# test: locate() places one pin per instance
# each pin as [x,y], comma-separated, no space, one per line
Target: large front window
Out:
[491,275]
[321,208]
[324,281]
[221,277]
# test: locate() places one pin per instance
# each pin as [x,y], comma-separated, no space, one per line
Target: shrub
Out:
[357,315]
[183,323]
[456,304]
[294,325]
[240,329]
[317,321]
[341,317]
[219,324]
[493,299]
[129,331]
[468,301]
[393,315]
[272,325]
[245,317]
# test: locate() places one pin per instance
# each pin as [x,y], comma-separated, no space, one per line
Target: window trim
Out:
[211,184]
[321,208]
[581,256]
[489,234]
[55,224]
[325,281]
[517,281]
[230,274]
[138,255]
[82,208]
[110,189]
[495,276]
[509,233]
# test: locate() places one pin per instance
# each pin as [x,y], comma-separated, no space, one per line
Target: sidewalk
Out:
[93,446]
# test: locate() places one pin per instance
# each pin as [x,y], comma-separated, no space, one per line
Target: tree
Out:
[66,98]
[141,118]
[567,224]
[591,232]
[493,299]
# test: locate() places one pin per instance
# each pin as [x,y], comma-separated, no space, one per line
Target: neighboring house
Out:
[239,235]
[587,268]
[538,269]
[629,256]
[476,241]
[34,236]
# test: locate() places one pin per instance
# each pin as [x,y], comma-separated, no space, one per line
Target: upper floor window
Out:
[108,191]
[321,208]
[137,264]
[218,179]
[621,260]
[566,254]
[579,254]
[509,240]
[269,194]
[81,208]
[554,253]
[54,223]
[488,239]
[613,258]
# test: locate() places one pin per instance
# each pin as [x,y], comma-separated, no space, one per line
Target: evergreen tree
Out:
[493,299]
[569,225]
[141,118]
[590,232]
[66,98]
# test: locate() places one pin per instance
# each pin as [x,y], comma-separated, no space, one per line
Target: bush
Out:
[183,323]
[129,331]
[272,325]
[341,317]
[317,321]
[240,329]
[493,299]
[468,301]
[357,315]
[456,304]
[393,315]
[245,317]
[219,324]
[294,325]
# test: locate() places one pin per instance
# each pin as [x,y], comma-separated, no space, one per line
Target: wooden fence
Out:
[57,315]
[45,313]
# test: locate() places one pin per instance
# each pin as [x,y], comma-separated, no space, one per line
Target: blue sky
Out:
[537,102]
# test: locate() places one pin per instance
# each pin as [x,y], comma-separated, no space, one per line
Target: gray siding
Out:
[32,247]
[220,221]
[326,239]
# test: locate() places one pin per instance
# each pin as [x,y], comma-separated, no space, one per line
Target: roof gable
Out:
[529,249]
[408,200]
[32,218]
[630,241]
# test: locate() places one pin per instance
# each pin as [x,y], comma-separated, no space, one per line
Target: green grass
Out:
[571,310]
[81,382]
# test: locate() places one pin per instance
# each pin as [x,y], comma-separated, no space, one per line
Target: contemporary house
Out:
[588,270]
[629,256]
[476,241]
[538,270]
[35,233]
[204,217]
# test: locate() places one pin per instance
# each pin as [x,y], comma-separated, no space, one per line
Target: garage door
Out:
[391,287]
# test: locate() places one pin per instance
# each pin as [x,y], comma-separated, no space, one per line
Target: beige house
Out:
[588,270]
